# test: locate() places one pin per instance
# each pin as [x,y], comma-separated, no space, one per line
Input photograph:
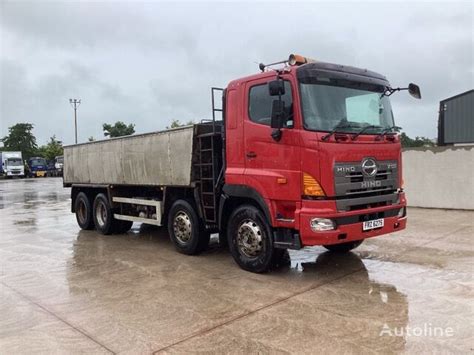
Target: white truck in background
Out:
[12,164]
[58,165]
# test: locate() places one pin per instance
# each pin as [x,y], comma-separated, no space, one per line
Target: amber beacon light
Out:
[296,59]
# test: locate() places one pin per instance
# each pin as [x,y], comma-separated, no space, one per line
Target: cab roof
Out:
[317,69]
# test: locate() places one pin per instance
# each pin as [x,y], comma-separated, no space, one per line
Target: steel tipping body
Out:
[154,159]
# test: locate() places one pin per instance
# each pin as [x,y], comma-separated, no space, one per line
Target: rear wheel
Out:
[250,240]
[83,209]
[103,217]
[343,247]
[185,229]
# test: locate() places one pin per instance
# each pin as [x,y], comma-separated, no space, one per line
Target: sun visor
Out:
[332,74]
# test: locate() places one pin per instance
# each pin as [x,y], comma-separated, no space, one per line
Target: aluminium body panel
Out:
[153,159]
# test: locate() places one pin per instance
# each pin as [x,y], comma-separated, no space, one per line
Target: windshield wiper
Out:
[354,137]
[342,124]
[387,130]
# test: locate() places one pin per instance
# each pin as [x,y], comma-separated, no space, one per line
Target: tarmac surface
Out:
[63,290]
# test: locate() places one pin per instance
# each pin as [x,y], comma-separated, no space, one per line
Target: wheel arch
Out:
[236,195]
[172,194]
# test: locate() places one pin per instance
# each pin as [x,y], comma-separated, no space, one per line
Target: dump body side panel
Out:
[152,159]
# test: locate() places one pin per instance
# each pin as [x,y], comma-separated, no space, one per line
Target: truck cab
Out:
[316,145]
[38,167]
[58,165]
[12,164]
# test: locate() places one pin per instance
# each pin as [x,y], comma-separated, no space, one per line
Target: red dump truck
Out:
[306,153]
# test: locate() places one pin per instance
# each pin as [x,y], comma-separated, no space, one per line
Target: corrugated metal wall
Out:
[456,121]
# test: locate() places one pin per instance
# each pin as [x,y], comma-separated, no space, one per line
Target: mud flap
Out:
[285,238]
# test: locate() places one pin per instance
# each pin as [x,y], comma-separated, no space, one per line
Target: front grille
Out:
[356,190]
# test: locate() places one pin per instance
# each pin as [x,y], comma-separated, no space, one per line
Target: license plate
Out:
[376,223]
[40,173]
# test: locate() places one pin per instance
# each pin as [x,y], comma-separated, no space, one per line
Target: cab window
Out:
[260,103]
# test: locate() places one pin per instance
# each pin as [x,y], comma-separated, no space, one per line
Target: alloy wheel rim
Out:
[82,212]
[101,214]
[182,227]
[250,239]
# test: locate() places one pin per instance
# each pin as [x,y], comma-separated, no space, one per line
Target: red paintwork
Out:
[298,151]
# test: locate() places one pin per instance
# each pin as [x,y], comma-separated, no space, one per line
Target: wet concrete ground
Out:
[69,291]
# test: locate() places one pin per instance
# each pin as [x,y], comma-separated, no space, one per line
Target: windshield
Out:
[60,160]
[36,162]
[14,162]
[326,106]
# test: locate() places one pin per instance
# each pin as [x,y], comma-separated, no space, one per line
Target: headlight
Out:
[321,224]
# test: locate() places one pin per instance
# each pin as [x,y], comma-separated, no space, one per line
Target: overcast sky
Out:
[149,63]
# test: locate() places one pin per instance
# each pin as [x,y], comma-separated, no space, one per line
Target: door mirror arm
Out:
[278,119]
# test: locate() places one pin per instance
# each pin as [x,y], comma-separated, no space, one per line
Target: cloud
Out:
[149,63]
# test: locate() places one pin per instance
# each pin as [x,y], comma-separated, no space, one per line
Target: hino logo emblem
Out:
[369,167]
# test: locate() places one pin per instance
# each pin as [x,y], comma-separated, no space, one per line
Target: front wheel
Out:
[343,247]
[250,240]
[185,229]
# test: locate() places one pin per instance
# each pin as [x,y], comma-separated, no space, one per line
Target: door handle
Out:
[251,155]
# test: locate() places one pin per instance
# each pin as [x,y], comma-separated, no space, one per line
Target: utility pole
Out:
[75,104]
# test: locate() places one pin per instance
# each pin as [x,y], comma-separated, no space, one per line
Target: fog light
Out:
[402,212]
[321,224]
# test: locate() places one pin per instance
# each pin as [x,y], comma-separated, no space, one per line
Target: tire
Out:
[185,229]
[83,209]
[103,215]
[343,247]
[250,240]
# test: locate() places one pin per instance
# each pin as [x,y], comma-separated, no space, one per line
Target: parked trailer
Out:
[306,154]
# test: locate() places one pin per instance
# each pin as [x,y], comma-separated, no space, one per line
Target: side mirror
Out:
[414,90]
[276,87]
[278,114]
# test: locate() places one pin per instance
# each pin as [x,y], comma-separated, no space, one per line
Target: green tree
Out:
[52,149]
[20,138]
[176,124]
[408,142]
[119,129]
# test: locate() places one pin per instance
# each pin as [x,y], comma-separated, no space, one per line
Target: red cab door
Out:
[271,167]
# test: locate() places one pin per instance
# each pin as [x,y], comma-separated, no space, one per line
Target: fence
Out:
[439,177]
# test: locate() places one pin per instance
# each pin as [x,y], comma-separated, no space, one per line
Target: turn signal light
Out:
[311,187]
